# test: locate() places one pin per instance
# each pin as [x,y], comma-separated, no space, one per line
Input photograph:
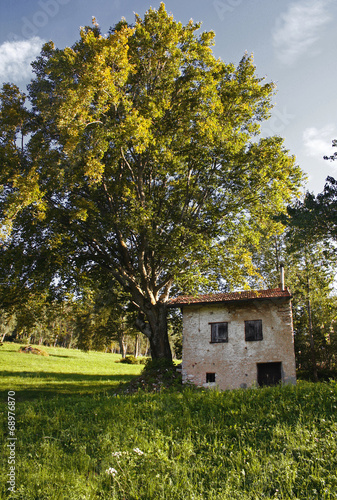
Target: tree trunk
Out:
[137,342]
[122,345]
[159,341]
[147,347]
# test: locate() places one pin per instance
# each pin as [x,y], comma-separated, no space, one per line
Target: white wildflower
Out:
[111,471]
[138,451]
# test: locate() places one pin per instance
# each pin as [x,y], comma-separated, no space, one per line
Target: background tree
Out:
[317,214]
[143,162]
[310,265]
[105,316]
[41,321]
[7,324]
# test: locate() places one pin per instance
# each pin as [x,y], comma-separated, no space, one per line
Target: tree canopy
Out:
[141,160]
[316,216]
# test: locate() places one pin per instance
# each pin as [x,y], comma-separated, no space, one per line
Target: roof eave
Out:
[229,301]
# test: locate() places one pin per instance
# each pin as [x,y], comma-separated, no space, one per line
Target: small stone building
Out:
[239,339]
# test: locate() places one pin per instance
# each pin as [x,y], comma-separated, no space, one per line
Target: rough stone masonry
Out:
[255,345]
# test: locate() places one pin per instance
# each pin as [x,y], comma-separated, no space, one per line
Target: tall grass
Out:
[245,444]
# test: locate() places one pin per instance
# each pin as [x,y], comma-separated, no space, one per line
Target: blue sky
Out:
[293,42]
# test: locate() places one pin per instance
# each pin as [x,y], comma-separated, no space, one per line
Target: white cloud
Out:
[15,58]
[317,142]
[297,30]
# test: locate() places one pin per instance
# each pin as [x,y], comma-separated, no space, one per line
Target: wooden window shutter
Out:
[253,330]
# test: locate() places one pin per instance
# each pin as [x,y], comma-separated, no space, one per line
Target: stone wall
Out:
[235,362]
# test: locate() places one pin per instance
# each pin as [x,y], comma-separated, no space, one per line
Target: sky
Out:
[293,43]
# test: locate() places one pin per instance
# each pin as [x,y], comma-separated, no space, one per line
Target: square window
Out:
[253,330]
[210,377]
[219,332]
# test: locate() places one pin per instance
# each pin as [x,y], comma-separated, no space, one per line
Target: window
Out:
[253,330]
[269,373]
[210,377]
[219,332]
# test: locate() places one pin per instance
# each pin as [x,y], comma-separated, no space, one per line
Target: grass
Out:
[253,444]
[64,371]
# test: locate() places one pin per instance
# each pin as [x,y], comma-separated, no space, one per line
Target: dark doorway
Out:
[269,373]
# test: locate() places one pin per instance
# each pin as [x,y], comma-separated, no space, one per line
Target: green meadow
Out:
[78,437]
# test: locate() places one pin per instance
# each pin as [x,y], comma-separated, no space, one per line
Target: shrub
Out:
[130,360]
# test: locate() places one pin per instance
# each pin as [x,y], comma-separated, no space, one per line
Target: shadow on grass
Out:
[59,356]
[46,384]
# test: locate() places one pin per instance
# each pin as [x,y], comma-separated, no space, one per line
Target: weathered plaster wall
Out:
[235,362]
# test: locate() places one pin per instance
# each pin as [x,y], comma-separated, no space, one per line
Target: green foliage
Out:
[277,442]
[315,304]
[143,164]
[104,314]
[310,264]
[7,324]
[40,320]
[316,215]
[131,360]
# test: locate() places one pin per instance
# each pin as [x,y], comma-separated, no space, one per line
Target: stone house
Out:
[240,339]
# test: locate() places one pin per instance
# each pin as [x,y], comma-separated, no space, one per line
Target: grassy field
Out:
[64,371]
[77,439]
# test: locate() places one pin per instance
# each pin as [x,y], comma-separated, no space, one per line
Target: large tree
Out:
[142,161]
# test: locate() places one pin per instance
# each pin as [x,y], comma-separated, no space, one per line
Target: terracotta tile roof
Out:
[274,293]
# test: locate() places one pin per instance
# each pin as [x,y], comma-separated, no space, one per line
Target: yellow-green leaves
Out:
[19,186]
[143,154]
[87,83]
[26,192]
